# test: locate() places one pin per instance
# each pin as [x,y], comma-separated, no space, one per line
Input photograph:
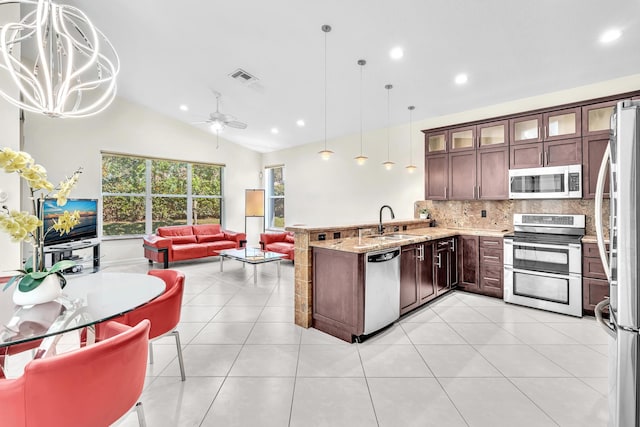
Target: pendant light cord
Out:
[325,90]
[361,67]
[388,87]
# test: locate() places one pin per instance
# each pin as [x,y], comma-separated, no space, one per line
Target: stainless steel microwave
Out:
[558,182]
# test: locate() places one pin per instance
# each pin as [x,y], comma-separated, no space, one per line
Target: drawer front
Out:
[490,242]
[592,267]
[491,256]
[591,250]
[491,279]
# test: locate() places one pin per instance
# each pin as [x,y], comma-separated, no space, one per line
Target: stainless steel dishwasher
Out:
[381,289]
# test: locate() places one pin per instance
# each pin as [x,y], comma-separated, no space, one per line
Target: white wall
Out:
[338,191]
[9,137]
[62,145]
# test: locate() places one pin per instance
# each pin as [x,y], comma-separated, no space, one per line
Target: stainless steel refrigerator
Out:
[622,161]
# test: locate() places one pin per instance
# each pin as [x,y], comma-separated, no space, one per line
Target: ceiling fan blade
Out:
[237,125]
[201,122]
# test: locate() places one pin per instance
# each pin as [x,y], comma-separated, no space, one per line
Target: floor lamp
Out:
[254,206]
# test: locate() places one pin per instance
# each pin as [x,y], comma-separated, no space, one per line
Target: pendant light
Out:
[361,159]
[388,164]
[325,154]
[411,168]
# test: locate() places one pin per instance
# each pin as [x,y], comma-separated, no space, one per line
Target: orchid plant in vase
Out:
[29,227]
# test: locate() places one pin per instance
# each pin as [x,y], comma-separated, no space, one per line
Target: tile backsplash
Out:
[499,214]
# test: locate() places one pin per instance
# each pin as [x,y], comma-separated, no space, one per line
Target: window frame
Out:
[149,195]
[269,197]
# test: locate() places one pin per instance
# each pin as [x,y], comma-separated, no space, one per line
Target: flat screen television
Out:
[85,230]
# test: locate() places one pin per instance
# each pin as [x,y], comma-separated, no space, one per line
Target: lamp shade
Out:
[254,203]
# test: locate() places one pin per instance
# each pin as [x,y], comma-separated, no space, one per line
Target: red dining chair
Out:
[163,312]
[92,386]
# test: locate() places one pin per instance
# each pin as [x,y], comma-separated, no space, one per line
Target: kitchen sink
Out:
[392,237]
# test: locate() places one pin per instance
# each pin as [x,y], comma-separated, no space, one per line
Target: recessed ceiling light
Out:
[184,108]
[300,123]
[461,79]
[274,131]
[396,53]
[610,35]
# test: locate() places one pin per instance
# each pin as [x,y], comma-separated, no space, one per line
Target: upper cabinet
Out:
[462,139]
[551,126]
[493,134]
[596,118]
[436,142]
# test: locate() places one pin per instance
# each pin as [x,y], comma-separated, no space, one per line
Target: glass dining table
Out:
[87,300]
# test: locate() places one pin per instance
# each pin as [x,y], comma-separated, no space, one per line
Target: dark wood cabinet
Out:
[493,134]
[493,174]
[453,261]
[596,118]
[525,129]
[435,142]
[562,124]
[416,276]
[492,266]
[481,265]
[526,155]
[462,139]
[596,124]
[436,176]
[595,286]
[563,152]
[338,293]
[552,153]
[462,175]
[468,257]
[441,266]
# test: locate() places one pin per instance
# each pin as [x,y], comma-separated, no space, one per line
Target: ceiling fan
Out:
[218,121]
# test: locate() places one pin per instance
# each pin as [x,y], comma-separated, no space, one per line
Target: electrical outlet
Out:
[483,213]
[322,236]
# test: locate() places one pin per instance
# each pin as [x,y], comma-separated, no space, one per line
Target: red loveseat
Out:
[282,243]
[183,242]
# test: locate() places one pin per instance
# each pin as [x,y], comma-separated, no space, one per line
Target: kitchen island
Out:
[333,270]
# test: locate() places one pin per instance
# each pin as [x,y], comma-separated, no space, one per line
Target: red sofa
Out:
[282,243]
[183,242]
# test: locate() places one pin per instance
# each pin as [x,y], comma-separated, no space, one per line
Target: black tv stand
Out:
[65,252]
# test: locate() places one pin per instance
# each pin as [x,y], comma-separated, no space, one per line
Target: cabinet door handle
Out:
[540,159]
[445,192]
[490,242]
[491,279]
[491,257]
[548,157]
[539,132]
[478,192]
[421,253]
[453,245]
[439,261]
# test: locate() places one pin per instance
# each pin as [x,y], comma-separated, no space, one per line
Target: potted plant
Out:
[424,213]
[35,283]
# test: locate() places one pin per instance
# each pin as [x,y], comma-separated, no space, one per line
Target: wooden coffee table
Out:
[253,256]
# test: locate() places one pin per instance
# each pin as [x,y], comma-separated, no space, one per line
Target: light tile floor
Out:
[463,360]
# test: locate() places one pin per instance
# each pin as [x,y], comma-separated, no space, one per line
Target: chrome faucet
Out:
[380,226]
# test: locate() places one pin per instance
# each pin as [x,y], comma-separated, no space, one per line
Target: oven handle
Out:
[542,274]
[546,245]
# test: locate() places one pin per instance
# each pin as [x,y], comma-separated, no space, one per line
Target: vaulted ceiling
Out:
[176,52]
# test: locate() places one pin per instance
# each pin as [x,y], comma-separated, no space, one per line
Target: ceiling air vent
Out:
[243,77]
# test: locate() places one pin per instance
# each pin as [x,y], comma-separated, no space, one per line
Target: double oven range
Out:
[543,262]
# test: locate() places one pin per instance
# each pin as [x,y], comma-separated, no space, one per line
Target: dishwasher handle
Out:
[383,256]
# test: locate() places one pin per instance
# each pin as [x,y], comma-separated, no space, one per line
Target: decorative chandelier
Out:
[73,73]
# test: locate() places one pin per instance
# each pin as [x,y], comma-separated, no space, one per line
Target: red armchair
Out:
[92,386]
[282,243]
[183,242]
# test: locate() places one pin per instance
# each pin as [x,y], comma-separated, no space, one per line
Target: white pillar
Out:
[10,257]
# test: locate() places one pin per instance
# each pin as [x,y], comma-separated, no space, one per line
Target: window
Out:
[139,195]
[275,197]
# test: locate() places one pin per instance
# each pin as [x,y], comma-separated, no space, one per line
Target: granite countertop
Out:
[592,239]
[386,223]
[417,235]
